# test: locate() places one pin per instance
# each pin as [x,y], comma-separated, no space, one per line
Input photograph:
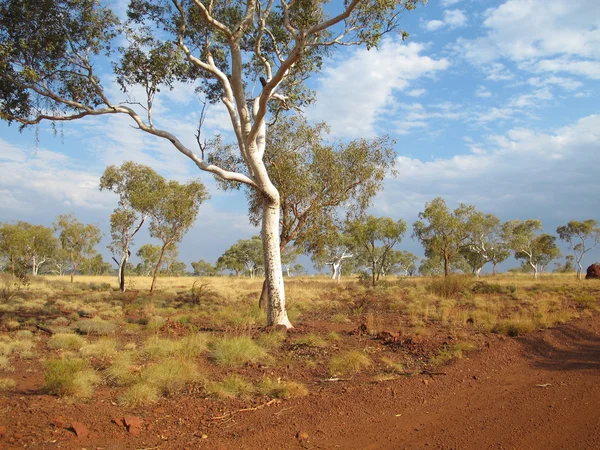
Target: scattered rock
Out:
[2,430]
[80,429]
[133,424]
[425,381]
[302,435]
[593,272]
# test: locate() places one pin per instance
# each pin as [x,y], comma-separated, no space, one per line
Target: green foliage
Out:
[373,239]
[581,237]
[171,375]
[245,254]
[203,269]
[536,250]
[77,240]
[140,394]
[281,389]
[95,327]
[232,386]
[443,233]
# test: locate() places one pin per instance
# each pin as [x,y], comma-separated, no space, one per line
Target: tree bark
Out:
[446,266]
[160,259]
[276,313]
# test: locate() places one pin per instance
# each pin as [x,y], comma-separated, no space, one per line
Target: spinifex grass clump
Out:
[69,378]
[66,341]
[348,363]
[235,351]
[451,286]
[232,386]
[7,384]
[269,387]
[97,327]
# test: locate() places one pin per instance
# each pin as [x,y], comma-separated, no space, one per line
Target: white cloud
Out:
[416,92]
[556,36]
[453,18]
[565,83]
[482,92]
[522,174]
[353,93]
[446,3]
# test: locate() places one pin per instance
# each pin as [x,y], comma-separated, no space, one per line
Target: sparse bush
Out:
[349,362]
[96,327]
[192,345]
[171,375]
[281,389]
[232,386]
[452,352]
[451,286]
[236,351]
[272,340]
[340,318]
[140,394]
[122,371]
[64,341]
[515,326]
[311,340]
[102,348]
[156,348]
[69,378]
[200,291]
[6,384]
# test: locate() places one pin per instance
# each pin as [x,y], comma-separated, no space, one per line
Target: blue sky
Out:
[492,103]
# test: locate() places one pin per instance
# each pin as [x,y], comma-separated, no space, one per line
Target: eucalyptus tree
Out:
[374,239]
[332,248]
[535,249]
[29,245]
[77,239]
[48,71]
[203,268]
[443,233]
[149,254]
[581,237]
[402,261]
[245,254]
[173,214]
[12,243]
[484,242]
[316,180]
[138,187]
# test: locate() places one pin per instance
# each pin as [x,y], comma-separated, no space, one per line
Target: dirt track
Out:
[537,392]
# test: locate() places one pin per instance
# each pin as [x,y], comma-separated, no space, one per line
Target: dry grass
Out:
[236,351]
[348,363]
[70,377]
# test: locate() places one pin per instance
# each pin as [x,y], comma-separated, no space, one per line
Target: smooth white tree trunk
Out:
[276,312]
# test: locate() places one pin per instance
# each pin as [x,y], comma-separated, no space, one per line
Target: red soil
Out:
[540,391]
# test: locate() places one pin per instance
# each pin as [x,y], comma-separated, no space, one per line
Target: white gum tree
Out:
[49,53]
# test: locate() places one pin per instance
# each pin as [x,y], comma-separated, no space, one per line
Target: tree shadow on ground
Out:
[567,348]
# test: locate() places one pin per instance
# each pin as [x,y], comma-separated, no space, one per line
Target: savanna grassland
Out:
[85,352]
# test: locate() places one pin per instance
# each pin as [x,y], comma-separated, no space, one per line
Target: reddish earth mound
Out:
[540,391]
[593,272]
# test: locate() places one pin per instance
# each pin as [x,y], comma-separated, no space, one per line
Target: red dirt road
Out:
[541,391]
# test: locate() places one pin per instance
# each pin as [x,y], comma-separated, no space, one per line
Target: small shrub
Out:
[96,327]
[140,394]
[515,326]
[156,348]
[69,377]
[171,376]
[451,286]
[5,364]
[102,348]
[272,340]
[192,345]
[340,318]
[453,352]
[236,351]
[311,340]
[6,384]
[64,341]
[348,363]
[200,291]
[232,386]
[281,389]
[122,371]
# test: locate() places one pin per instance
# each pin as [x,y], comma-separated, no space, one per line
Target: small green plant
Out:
[236,351]
[311,340]
[171,375]
[272,340]
[281,389]
[96,327]
[348,363]
[200,291]
[122,372]
[140,394]
[102,348]
[69,378]
[232,386]
[452,352]
[65,341]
